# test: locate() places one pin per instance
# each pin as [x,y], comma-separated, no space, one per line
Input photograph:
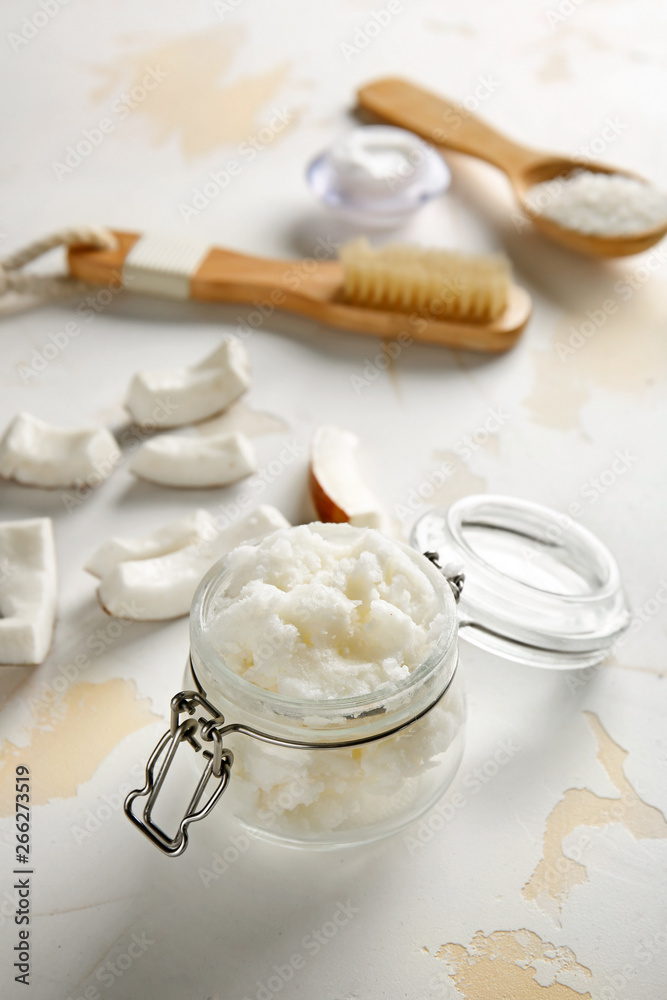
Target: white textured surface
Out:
[546,422]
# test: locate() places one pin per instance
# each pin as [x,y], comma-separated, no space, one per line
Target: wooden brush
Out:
[441,298]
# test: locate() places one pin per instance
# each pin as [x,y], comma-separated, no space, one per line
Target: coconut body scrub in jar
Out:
[322,687]
[328,635]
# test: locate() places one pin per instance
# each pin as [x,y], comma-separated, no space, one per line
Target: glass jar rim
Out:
[355,705]
[459,516]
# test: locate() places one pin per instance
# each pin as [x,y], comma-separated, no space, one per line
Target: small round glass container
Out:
[378,175]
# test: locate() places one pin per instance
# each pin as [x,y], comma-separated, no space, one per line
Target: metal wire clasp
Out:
[196,729]
[219,759]
[452,572]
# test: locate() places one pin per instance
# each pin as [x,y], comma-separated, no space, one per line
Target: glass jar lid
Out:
[539,588]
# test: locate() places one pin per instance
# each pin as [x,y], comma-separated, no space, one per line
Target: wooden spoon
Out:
[445,124]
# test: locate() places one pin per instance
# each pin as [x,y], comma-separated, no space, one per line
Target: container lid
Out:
[378,175]
[539,588]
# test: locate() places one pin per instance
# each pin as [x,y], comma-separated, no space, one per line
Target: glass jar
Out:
[378,175]
[538,588]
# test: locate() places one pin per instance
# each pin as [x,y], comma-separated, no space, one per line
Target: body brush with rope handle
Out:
[439,297]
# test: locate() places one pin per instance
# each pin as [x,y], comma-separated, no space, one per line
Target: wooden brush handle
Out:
[100,267]
[442,123]
[221,276]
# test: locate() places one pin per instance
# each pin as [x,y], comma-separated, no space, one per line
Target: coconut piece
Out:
[193,462]
[28,590]
[35,453]
[193,393]
[162,586]
[337,488]
[170,538]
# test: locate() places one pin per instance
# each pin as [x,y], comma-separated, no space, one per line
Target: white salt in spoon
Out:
[445,124]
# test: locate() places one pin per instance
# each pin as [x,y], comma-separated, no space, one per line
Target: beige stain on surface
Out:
[558,393]
[555,69]
[239,417]
[556,874]
[513,964]
[392,370]
[193,102]
[492,444]
[72,739]
[462,482]
[626,354]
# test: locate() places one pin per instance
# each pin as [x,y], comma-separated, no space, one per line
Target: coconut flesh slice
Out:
[195,462]
[170,537]
[193,393]
[35,453]
[28,590]
[154,577]
[337,488]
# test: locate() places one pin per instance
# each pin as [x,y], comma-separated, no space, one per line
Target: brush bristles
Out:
[473,288]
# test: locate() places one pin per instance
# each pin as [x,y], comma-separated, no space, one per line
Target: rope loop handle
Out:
[13,278]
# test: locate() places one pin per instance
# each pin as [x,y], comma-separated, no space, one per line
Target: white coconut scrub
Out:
[599,204]
[378,174]
[331,633]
